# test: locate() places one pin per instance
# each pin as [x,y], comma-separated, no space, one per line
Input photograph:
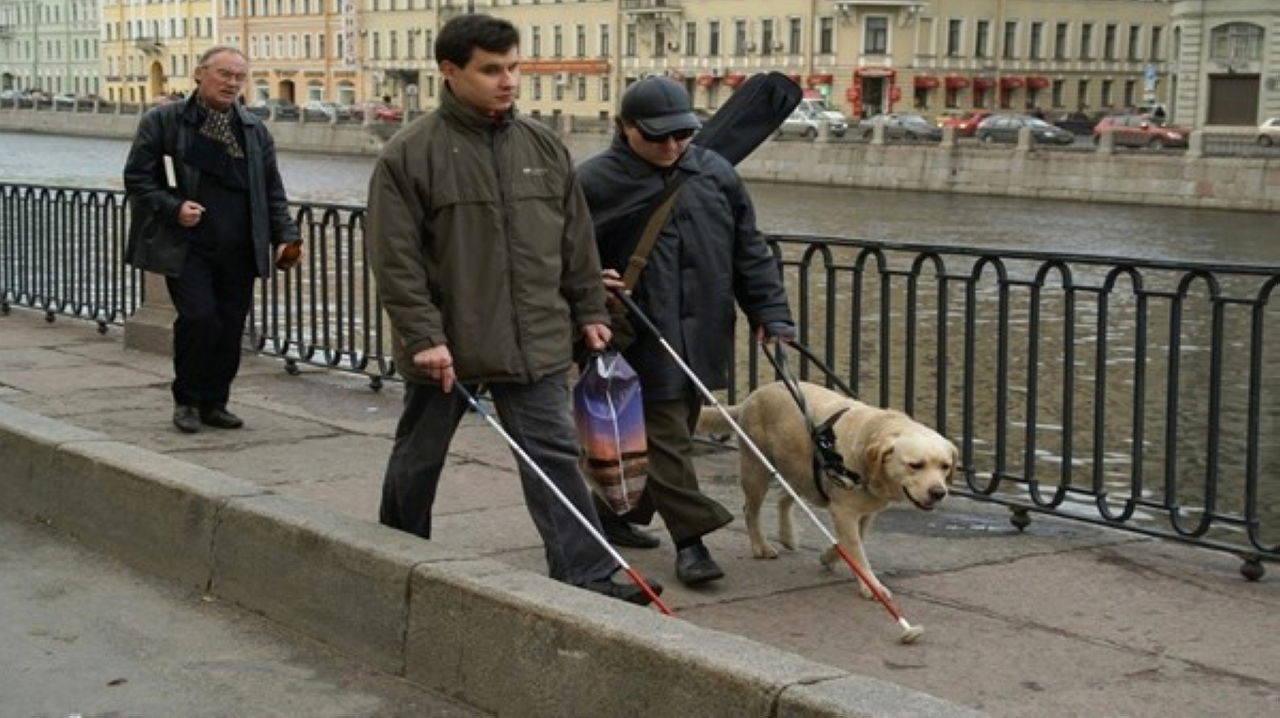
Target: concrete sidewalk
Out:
[1063,619]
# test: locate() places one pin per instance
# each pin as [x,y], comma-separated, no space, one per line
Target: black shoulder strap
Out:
[663,205]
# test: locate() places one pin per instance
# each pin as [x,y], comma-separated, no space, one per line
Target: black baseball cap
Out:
[658,106]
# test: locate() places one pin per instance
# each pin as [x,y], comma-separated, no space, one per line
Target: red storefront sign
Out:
[706,80]
[734,79]
[823,78]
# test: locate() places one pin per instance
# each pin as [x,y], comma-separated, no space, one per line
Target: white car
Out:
[798,124]
[1269,132]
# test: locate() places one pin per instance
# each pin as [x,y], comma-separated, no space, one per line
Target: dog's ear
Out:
[955,461]
[877,451]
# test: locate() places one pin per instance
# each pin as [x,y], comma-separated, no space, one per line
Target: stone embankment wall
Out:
[1175,180]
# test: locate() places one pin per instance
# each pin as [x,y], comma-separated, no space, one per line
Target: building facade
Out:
[50,45]
[297,49]
[150,48]
[1226,56]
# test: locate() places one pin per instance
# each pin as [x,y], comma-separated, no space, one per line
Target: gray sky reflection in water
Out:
[931,218]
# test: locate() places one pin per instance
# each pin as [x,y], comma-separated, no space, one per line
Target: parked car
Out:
[1077,123]
[1140,131]
[378,111]
[905,126]
[966,123]
[817,109]
[284,109]
[798,124]
[325,110]
[1269,132]
[1005,128]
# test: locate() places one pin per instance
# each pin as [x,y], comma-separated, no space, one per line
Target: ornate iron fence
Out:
[1135,394]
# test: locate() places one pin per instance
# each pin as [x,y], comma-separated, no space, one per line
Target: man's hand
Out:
[189,213]
[782,331]
[596,336]
[437,363]
[612,282]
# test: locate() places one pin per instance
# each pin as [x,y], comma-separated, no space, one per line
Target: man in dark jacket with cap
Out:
[707,253]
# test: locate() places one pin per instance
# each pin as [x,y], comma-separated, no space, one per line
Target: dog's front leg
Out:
[850,532]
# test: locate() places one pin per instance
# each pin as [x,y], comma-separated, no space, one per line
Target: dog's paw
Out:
[764,550]
[788,541]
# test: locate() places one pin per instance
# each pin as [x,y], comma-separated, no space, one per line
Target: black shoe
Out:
[694,565]
[186,419]
[619,585]
[221,418]
[624,533]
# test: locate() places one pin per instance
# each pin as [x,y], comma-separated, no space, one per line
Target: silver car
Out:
[798,124]
[1269,132]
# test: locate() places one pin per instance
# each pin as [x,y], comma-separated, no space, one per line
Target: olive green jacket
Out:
[480,239]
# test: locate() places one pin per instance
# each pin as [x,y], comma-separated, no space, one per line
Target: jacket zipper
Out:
[506,235]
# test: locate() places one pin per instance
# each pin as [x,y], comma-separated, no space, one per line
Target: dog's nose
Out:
[937,493]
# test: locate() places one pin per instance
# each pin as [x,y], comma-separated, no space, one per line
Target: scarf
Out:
[217,127]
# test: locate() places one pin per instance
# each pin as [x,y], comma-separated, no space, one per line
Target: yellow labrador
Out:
[894,457]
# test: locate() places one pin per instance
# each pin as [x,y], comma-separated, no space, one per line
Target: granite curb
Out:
[504,640]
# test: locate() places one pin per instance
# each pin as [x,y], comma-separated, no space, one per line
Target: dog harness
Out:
[827,461]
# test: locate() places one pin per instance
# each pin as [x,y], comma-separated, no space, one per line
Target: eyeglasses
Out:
[678,136]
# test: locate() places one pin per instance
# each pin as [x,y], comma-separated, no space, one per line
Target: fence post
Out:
[1024,139]
[150,329]
[1106,142]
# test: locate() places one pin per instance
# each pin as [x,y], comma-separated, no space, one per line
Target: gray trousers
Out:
[537,417]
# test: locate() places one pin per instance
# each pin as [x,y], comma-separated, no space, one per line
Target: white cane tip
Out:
[911,634]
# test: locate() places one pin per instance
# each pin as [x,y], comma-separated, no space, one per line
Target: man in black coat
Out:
[208,211]
[708,253]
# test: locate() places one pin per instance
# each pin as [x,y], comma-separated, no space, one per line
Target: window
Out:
[953,38]
[315,91]
[1106,93]
[604,88]
[1060,41]
[739,37]
[766,36]
[1134,32]
[377,46]
[875,39]
[346,93]
[535,87]
[1056,93]
[1233,43]
[1155,42]
[826,35]
[535,42]
[410,45]
[580,41]
[1109,42]
[980,41]
[1129,89]
[1082,94]
[1010,40]
[659,41]
[713,38]
[1086,39]
[306,47]
[557,41]
[582,88]
[629,48]
[1037,31]
[605,49]
[691,38]
[395,42]
[793,36]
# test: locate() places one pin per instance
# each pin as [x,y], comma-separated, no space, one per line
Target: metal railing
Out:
[1135,394]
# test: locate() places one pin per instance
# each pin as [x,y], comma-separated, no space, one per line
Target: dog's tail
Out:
[712,423]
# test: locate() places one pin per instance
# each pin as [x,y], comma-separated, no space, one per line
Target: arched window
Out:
[1236,42]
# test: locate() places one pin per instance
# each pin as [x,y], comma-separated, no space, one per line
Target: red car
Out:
[1140,131]
[965,123]
[379,111]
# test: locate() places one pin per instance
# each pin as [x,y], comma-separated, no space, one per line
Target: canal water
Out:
[1033,441]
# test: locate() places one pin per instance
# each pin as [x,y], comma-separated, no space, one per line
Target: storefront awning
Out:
[983,83]
[1037,82]
[733,79]
[821,78]
[1010,83]
[925,82]
[955,82]
[706,79]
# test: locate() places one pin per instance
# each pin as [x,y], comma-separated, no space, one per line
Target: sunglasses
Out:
[678,136]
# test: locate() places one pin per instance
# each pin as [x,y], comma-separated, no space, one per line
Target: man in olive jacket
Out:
[707,253]
[209,212]
[481,245]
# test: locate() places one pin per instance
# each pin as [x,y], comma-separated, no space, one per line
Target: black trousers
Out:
[671,486]
[537,417]
[213,296]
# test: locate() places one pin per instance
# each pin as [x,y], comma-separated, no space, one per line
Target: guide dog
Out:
[883,456]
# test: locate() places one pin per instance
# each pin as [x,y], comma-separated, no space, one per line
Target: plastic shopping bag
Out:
[609,415]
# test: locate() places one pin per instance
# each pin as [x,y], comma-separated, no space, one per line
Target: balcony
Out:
[848,6]
[149,45]
[651,9]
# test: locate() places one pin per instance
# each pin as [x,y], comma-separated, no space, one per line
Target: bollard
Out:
[948,137]
[1195,144]
[877,133]
[1024,139]
[824,131]
[1106,142]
